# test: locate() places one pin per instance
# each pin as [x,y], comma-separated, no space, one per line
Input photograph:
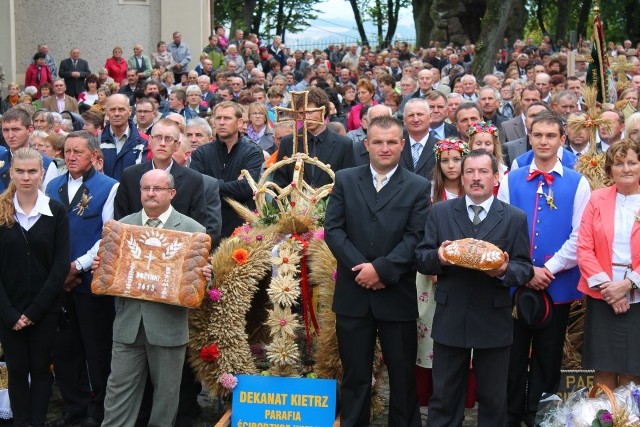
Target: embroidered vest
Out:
[548,228]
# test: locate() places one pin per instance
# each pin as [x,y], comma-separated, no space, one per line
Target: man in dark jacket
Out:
[225,158]
[121,144]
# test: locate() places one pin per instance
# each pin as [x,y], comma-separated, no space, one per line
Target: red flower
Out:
[210,353]
[240,256]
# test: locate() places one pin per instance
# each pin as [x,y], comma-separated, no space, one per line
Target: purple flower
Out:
[228,381]
[214,294]
[335,275]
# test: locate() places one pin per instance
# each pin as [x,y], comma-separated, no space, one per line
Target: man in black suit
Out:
[438,105]
[417,154]
[473,308]
[74,70]
[329,147]
[189,199]
[374,221]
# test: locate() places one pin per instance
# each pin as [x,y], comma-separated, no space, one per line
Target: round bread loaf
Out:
[474,254]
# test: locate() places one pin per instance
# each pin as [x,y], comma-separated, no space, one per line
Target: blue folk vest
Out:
[548,228]
[85,223]
[568,159]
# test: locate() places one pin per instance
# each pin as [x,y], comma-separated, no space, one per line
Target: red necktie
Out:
[547,176]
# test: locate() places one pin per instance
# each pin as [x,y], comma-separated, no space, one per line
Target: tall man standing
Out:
[225,158]
[473,308]
[375,218]
[553,197]
[82,356]
[74,70]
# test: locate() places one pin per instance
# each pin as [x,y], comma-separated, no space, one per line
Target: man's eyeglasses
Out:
[167,139]
[148,189]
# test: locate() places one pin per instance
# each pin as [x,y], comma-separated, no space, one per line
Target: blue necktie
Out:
[416,149]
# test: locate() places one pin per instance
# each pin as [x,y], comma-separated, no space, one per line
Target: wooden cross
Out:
[297,116]
[621,68]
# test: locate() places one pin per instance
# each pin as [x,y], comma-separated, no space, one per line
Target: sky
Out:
[336,23]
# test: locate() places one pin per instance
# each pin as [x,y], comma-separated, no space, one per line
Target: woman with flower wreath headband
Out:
[446,185]
[485,136]
[446,182]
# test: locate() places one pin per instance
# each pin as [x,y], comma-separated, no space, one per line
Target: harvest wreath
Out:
[283,239]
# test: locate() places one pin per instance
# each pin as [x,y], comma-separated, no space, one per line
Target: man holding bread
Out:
[149,337]
[473,303]
[554,197]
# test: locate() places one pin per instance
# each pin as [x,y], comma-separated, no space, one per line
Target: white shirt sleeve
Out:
[52,172]
[86,260]
[566,257]
[503,191]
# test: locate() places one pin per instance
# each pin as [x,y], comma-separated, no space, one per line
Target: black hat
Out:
[533,308]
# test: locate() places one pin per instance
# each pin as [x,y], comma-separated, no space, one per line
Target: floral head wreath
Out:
[448,145]
[483,127]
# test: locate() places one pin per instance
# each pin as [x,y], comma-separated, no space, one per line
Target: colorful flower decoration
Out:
[228,381]
[214,294]
[240,256]
[284,291]
[210,353]
[483,127]
[448,145]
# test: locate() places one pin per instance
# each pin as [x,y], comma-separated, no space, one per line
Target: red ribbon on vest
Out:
[547,176]
[308,313]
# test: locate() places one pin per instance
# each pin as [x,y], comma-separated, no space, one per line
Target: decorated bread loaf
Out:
[152,264]
[475,254]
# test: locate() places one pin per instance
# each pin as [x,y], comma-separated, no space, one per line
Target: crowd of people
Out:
[419,143]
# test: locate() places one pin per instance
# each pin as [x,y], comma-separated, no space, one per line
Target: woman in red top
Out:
[116,65]
[37,73]
[365,91]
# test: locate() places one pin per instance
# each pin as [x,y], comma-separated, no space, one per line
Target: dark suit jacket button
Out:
[374,218]
[371,244]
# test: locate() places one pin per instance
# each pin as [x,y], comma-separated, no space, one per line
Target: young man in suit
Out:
[553,197]
[329,147]
[375,219]
[149,337]
[74,70]
[473,308]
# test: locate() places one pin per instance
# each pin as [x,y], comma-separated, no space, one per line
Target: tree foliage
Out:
[265,17]
[383,13]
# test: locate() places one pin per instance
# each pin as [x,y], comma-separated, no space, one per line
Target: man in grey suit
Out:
[514,149]
[149,337]
[473,308]
[514,128]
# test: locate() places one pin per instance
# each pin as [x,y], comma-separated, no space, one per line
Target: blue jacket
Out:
[134,151]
